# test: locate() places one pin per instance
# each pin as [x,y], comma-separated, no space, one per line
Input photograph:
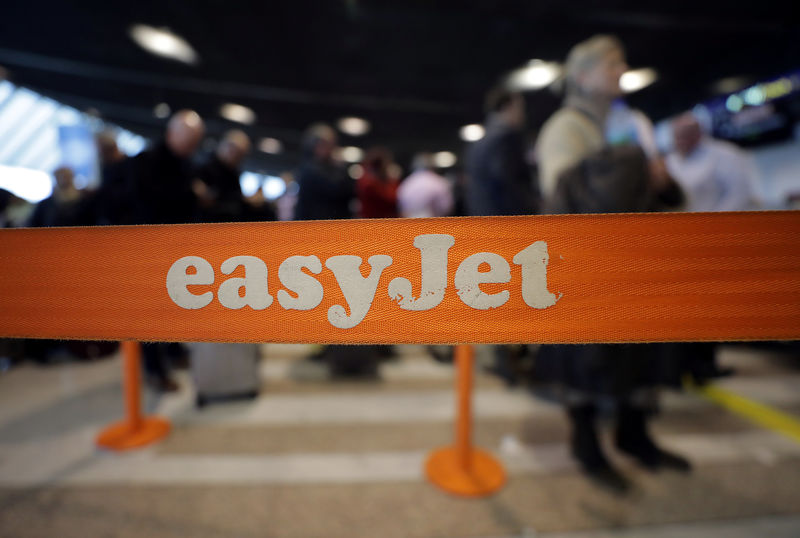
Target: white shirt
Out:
[424,194]
[716,176]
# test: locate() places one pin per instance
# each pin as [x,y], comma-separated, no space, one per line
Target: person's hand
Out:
[204,195]
[659,177]
[255,200]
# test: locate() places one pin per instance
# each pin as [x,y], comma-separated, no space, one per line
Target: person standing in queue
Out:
[158,190]
[217,186]
[325,190]
[500,182]
[377,189]
[581,173]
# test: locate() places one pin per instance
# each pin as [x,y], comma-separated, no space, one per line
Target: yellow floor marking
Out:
[761,414]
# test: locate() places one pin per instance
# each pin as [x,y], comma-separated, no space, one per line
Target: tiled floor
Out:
[313,458]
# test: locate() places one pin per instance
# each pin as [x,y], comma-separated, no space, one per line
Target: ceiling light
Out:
[537,74]
[353,126]
[472,132]
[164,43]
[444,159]
[355,171]
[636,79]
[270,145]
[352,154]
[162,110]
[237,113]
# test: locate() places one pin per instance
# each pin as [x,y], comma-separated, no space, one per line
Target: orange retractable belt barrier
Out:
[548,279]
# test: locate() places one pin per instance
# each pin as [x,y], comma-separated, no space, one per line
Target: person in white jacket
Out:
[714,175]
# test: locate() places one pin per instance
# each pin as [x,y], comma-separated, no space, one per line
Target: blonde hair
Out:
[585,55]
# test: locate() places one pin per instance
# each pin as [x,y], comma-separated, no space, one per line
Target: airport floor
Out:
[315,458]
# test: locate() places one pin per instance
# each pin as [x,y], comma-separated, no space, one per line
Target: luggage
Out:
[225,371]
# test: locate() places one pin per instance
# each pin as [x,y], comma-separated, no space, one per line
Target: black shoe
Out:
[586,449]
[656,459]
[634,440]
[608,478]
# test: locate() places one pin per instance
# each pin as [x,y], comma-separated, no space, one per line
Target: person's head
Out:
[377,160]
[233,148]
[185,130]
[686,133]
[507,105]
[107,148]
[64,177]
[594,67]
[319,142]
[422,161]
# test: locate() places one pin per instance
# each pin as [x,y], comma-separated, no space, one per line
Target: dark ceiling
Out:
[416,70]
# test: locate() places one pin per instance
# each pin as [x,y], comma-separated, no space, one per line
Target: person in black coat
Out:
[326,191]
[499,180]
[217,185]
[155,187]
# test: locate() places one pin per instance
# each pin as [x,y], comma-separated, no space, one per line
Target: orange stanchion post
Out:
[136,430]
[462,469]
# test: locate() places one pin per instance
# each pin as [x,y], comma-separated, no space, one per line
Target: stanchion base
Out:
[485,475]
[120,435]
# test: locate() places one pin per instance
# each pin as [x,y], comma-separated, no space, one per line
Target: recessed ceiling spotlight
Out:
[161,110]
[352,154]
[472,132]
[353,126]
[636,79]
[270,145]
[237,113]
[162,42]
[355,171]
[444,159]
[536,75]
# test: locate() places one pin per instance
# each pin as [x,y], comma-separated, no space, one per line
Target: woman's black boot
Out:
[586,449]
[633,438]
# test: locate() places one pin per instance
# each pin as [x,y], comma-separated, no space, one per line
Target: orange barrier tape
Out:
[569,278]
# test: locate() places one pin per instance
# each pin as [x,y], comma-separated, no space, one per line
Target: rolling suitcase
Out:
[224,371]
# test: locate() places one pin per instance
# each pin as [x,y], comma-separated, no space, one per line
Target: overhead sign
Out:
[568,278]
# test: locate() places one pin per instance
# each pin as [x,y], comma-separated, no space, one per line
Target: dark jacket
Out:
[223,181]
[613,180]
[499,180]
[325,192]
[154,187]
[54,212]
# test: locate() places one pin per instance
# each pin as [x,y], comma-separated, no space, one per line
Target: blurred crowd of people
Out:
[595,154]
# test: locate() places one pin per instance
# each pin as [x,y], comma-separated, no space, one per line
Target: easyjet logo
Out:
[302,291]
